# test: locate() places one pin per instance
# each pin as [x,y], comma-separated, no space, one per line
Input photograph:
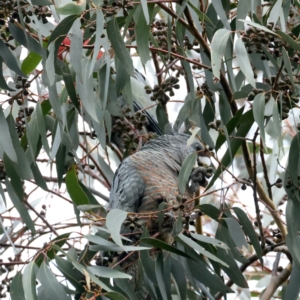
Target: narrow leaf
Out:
[200,249]
[30,63]
[162,245]
[243,61]
[159,264]
[185,172]
[9,59]
[6,141]
[107,272]
[50,284]
[209,240]
[218,47]
[28,281]
[259,113]
[19,206]
[76,193]
[119,46]
[237,234]
[249,230]
[16,288]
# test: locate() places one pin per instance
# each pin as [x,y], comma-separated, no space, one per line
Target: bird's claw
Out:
[198,178]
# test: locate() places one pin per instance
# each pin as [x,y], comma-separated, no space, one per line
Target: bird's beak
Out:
[203,161]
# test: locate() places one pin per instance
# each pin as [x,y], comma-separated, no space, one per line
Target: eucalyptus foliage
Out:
[63,131]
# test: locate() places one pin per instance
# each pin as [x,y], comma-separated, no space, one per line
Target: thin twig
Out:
[259,223]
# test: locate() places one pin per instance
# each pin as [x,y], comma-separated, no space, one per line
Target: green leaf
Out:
[162,117]
[30,63]
[235,145]
[107,272]
[102,244]
[243,61]
[41,2]
[76,49]
[67,268]
[6,143]
[236,233]
[275,12]
[72,8]
[293,226]
[211,211]
[218,47]
[114,221]
[59,241]
[293,287]
[9,59]
[3,84]
[50,65]
[50,284]
[115,296]
[185,172]
[42,127]
[26,40]
[258,26]
[200,249]
[288,40]
[249,230]
[159,265]
[259,114]
[209,240]
[82,268]
[61,30]
[142,32]
[287,65]
[22,167]
[277,124]
[162,245]
[99,31]
[218,6]
[28,281]
[105,168]
[242,10]
[19,206]
[178,274]
[69,84]
[88,207]
[202,16]
[233,270]
[76,193]
[16,288]
[119,46]
[14,177]
[293,161]
[199,271]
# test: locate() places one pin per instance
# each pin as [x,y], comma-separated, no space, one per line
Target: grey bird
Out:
[149,177]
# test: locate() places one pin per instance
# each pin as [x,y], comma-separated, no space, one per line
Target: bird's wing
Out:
[128,188]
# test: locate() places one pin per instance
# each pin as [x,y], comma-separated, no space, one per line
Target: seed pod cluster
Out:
[110,9]
[11,10]
[160,92]
[277,236]
[133,222]
[128,128]
[23,115]
[288,100]
[188,44]
[23,84]
[160,33]
[2,170]
[256,39]
[206,91]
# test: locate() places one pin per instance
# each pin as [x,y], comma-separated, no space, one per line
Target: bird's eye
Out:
[198,147]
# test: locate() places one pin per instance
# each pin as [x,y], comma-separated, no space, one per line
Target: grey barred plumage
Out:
[148,177]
